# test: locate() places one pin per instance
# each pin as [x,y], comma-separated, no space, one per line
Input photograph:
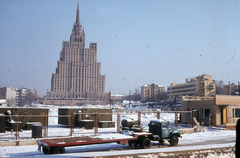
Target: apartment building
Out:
[10,94]
[152,93]
[202,86]
[18,97]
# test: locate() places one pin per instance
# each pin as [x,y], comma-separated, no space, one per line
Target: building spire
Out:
[77,16]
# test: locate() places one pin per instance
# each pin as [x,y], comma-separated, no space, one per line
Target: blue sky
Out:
[138,41]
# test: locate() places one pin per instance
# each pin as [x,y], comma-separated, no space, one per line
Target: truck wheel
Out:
[145,143]
[125,128]
[59,150]
[174,140]
[45,150]
[132,143]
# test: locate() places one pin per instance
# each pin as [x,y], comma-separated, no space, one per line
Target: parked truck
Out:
[158,131]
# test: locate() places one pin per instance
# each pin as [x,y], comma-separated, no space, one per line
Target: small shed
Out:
[217,110]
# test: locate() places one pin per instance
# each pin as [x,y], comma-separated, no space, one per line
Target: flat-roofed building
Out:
[152,93]
[202,86]
[117,98]
[216,110]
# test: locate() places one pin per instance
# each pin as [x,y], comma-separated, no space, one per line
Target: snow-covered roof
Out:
[3,101]
[146,85]
[117,95]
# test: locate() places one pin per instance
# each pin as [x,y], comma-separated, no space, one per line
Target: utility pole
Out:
[129,98]
[229,88]
[110,100]
[238,88]
[1,97]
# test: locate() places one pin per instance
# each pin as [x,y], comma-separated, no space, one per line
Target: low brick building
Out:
[217,110]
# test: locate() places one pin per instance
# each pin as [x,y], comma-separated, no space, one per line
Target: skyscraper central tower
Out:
[78,74]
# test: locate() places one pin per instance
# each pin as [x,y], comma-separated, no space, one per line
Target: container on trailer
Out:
[3,123]
[87,124]
[103,124]
[37,130]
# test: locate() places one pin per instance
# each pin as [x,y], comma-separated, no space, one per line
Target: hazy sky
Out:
[138,41]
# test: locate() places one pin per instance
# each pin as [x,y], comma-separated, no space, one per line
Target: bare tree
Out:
[31,97]
[219,87]
[137,94]
[11,102]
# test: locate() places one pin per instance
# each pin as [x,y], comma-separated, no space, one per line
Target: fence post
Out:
[45,124]
[158,115]
[192,118]
[139,118]
[17,128]
[176,119]
[72,124]
[118,122]
[96,123]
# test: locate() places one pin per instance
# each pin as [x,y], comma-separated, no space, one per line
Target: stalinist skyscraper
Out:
[78,74]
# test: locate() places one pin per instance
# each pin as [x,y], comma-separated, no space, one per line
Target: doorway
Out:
[223,115]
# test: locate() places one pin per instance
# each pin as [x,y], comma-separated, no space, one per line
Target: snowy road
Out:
[100,150]
[211,138]
[188,142]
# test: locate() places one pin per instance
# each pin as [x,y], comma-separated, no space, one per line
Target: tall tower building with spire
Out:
[78,74]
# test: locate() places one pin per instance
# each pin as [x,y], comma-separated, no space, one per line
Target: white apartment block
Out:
[18,97]
[10,94]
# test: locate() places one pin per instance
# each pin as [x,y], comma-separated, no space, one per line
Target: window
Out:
[205,112]
[236,113]
[190,114]
[165,125]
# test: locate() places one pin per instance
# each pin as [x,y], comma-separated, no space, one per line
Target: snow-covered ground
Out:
[187,142]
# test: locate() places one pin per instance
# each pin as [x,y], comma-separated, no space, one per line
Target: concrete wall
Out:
[198,105]
[227,99]
[72,102]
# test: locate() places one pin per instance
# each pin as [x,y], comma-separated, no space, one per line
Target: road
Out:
[187,143]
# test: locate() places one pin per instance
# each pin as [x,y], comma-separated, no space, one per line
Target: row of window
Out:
[205,112]
[68,96]
[185,86]
[184,91]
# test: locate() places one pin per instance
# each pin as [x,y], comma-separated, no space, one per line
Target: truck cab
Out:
[162,131]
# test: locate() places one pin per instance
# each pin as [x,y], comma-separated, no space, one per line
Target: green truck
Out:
[161,132]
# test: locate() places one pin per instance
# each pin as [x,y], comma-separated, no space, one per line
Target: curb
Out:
[19,143]
[186,130]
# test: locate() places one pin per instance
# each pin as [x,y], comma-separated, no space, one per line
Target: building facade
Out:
[78,74]
[215,111]
[202,86]
[117,98]
[152,93]
[10,94]
[18,97]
